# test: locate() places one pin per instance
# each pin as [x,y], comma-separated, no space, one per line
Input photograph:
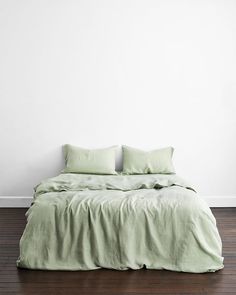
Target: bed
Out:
[87,222]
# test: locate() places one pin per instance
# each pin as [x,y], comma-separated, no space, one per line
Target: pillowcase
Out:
[99,161]
[136,161]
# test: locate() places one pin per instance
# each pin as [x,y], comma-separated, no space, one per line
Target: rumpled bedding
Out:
[86,222]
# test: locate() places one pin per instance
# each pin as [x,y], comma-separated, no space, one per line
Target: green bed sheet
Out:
[85,222]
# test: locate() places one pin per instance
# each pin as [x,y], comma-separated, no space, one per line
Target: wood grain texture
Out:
[112,282]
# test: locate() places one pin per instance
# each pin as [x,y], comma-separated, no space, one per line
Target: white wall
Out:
[137,72]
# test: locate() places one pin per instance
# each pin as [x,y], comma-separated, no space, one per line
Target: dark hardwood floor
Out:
[106,282]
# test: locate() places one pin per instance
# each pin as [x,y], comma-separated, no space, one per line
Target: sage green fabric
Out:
[84,222]
[99,161]
[136,161]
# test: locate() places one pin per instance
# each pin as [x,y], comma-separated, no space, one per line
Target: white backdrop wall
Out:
[136,72]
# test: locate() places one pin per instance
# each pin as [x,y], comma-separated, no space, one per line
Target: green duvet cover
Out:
[84,222]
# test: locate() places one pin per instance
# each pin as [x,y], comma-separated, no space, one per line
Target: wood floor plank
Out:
[111,282]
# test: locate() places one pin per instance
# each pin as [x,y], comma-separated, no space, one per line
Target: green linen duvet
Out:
[84,222]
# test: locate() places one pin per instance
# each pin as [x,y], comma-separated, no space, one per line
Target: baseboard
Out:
[25,201]
[15,201]
[220,201]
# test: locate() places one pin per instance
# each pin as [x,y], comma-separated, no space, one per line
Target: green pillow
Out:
[136,161]
[99,161]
